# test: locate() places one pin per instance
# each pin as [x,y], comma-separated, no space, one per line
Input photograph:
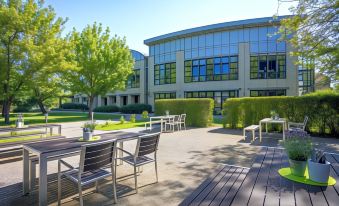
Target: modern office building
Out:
[219,61]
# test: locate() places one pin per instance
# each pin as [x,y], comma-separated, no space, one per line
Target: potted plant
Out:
[298,148]
[88,129]
[167,113]
[19,123]
[274,114]
[318,167]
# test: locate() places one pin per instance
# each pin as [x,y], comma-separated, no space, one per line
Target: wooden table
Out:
[31,127]
[58,148]
[262,185]
[162,118]
[266,121]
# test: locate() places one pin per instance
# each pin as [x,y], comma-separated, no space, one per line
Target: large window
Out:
[218,96]
[268,67]
[164,74]
[133,80]
[261,93]
[306,80]
[211,69]
[165,95]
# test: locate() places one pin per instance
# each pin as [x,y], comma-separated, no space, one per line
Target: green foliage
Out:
[298,148]
[74,106]
[132,118]
[103,63]
[135,108]
[199,111]
[321,108]
[89,127]
[109,108]
[144,114]
[314,25]
[22,109]
[122,120]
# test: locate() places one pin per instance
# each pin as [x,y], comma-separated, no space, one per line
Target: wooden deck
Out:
[262,185]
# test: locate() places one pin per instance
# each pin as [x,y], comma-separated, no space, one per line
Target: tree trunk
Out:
[6,110]
[41,106]
[90,108]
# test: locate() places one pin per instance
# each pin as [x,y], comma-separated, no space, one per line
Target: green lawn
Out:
[58,117]
[118,125]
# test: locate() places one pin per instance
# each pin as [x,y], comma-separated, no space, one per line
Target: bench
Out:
[152,122]
[251,128]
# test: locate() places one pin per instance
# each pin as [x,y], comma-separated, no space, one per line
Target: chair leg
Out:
[32,171]
[135,179]
[97,186]
[59,183]
[114,179]
[81,201]
[156,169]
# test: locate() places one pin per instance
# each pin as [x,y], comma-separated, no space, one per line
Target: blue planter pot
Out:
[319,172]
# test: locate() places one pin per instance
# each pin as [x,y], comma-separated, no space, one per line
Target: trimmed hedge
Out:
[108,108]
[199,111]
[322,108]
[135,108]
[22,109]
[74,106]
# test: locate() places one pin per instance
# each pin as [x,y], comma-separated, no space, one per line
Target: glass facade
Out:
[218,96]
[306,80]
[165,95]
[274,92]
[133,80]
[164,74]
[211,69]
[268,67]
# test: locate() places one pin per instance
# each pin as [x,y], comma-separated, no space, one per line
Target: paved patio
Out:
[186,158]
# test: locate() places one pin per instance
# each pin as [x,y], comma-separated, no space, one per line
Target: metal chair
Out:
[146,145]
[94,158]
[172,122]
[298,126]
[182,121]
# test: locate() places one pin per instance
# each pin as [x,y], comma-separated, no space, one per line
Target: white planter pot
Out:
[319,172]
[19,124]
[87,136]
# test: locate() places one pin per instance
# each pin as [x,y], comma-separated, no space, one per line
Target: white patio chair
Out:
[182,121]
[298,126]
[172,122]
[146,145]
[94,158]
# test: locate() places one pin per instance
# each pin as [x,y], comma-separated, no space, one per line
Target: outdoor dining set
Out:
[167,121]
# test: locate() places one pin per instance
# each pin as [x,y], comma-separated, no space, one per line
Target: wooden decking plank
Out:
[226,188]
[336,157]
[244,193]
[202,186]
[228,199]
[258,194]
[210,186]
[334,172]
[216,190]
[316,195]
[287,197]
[273,184]
[332,192]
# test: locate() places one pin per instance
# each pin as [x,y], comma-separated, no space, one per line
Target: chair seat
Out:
[87,177]
[140,160]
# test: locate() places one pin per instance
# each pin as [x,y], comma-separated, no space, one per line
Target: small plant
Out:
[132,118]
[274,114]
[144,114]
[122,120]
[298,146]
[318,156]
[89,127]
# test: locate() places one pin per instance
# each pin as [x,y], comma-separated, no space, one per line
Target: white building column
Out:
[99,101]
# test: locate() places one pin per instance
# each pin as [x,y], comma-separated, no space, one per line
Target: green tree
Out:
[28,35]
[315,29]
[102,63]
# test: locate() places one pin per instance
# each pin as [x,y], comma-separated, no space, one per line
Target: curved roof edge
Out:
[137,55]
[219,26]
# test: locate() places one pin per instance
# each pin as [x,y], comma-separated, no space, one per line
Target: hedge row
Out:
[74,106]
[322,109]
[199,111]
[128,109]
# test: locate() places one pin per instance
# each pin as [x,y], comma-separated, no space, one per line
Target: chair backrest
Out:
[97,155]
[305,122]
[147,144]
[176,118]
[183,117]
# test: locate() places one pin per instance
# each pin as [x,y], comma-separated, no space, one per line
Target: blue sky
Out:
[138,20]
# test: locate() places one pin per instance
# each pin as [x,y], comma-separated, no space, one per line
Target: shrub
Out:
[144,114]
[322,108]
[22,109]
[298,148]
[122,120]
[74,106]
[132,118]
[199,111]
[109,108]
[136,108]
